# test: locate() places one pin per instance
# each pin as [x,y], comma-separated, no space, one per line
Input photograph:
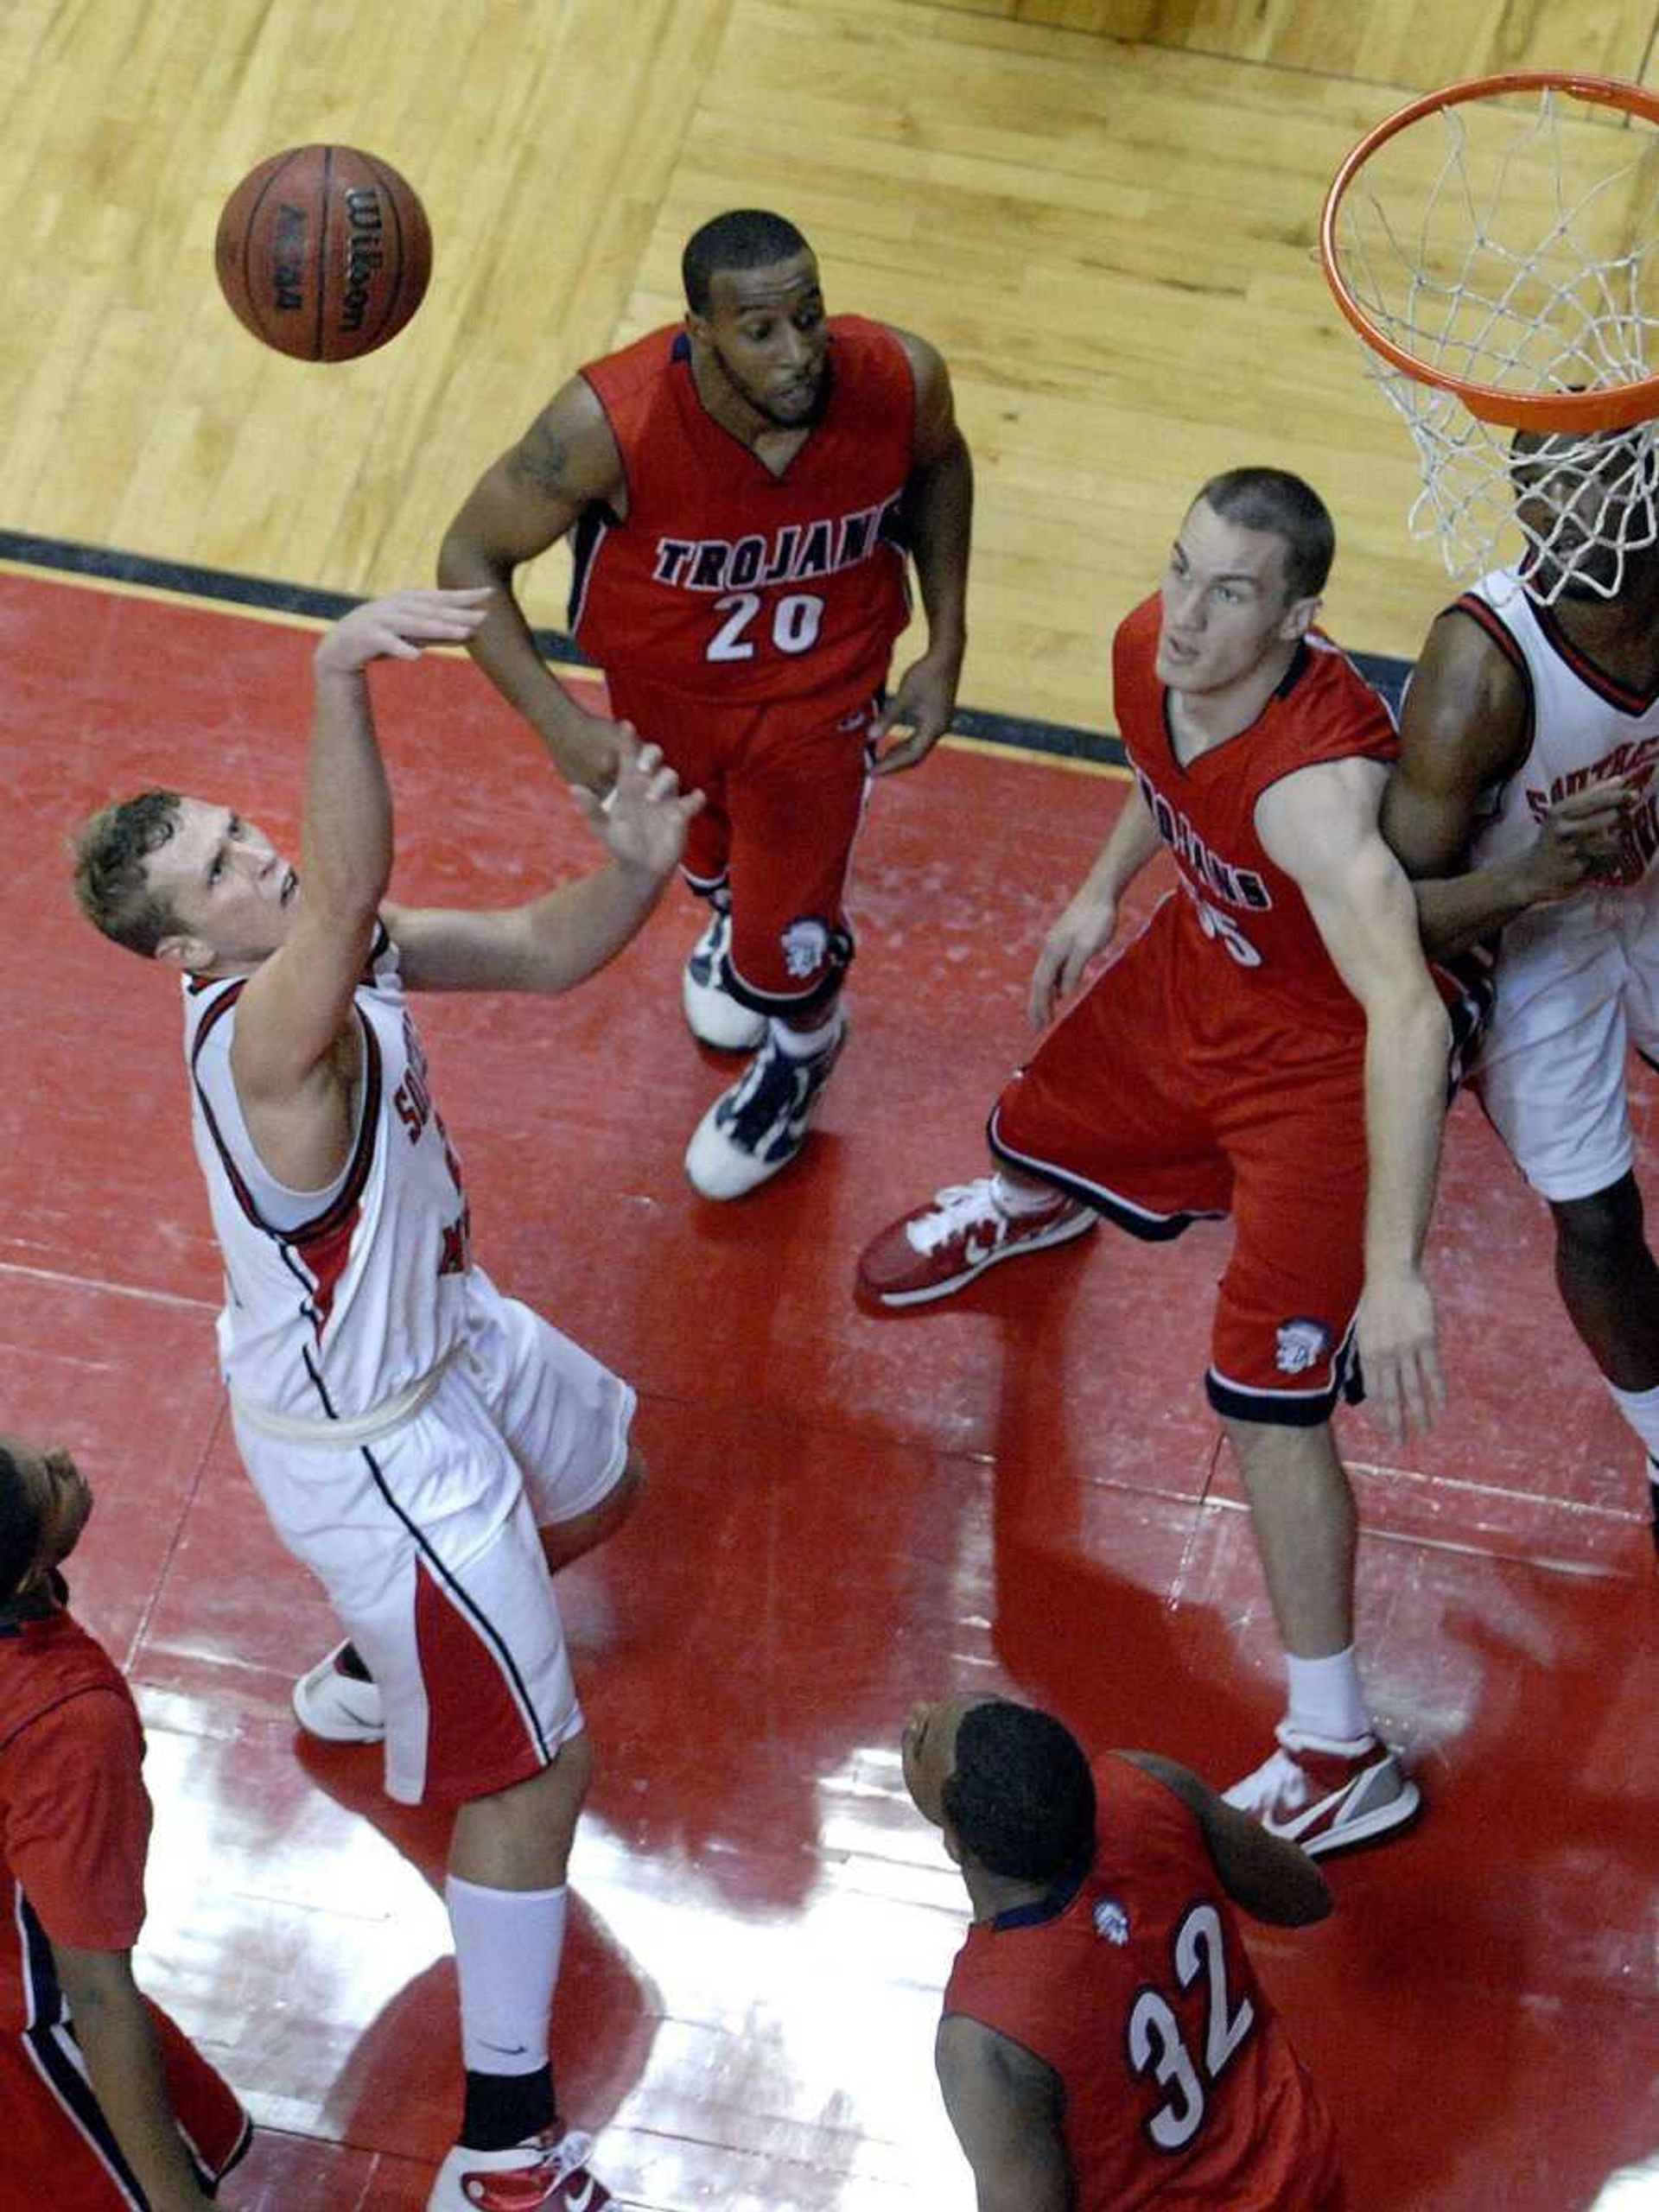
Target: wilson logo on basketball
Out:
[363,255]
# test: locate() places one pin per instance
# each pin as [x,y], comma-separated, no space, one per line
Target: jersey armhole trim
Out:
[356,1174]
[1497,632]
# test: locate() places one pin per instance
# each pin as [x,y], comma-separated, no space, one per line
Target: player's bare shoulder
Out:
[1468,698]
[935,412]
[569,457]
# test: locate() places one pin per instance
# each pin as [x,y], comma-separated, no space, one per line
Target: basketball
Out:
[324,252]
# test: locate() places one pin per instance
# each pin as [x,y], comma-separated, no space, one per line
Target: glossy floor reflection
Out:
[1023,1487]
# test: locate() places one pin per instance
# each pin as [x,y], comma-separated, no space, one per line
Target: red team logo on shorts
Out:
[1301,1344]
[806,946]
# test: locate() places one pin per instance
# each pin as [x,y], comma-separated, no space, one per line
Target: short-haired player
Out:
[428,1447]
[1105,2042]
[741,493]
[1270,1046]
[1527,801]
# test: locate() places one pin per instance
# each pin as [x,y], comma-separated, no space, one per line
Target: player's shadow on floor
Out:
[398,2088]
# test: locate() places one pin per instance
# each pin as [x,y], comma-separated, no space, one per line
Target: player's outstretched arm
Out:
[1086,926]
[1006,2107]
[554,942]
[294,1006]
[112,2027]
[568,459]
[940,503]
[1465,729]
[1271,1880]
[1320,825]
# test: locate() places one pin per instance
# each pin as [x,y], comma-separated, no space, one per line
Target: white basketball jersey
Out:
[334,1299]
[1585,728]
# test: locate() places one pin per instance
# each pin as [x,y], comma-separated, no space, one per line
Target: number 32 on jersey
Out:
[1158,2047]
[795,620]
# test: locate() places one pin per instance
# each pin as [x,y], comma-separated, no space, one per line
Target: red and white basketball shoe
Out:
[337,1705]
[546,2173]
[1327,1795]
[962,1230]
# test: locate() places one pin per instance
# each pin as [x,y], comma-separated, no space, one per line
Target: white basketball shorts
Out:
[426,1542]
[1577,986]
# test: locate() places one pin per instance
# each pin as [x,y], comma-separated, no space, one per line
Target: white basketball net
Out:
[1517,247]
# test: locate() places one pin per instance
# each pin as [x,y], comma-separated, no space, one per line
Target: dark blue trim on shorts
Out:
[1150,1228]
[1266,1409]
[838,959]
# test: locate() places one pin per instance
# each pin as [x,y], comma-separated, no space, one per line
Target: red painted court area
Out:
[1023,1488]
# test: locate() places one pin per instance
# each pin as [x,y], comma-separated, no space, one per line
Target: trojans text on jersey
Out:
[1234,887]
[792,551]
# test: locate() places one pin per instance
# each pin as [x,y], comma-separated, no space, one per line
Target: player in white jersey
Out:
[1529,747]
[429,1448]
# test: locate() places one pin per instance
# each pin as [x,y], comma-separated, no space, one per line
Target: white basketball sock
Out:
[802,1044]
[1641,1409]
[1016,1198]
[507,1948]
[1325,1699]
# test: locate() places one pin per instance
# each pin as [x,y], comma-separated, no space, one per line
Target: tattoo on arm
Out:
[539,461]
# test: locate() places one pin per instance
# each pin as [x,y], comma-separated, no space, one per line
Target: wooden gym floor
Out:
[1111,242]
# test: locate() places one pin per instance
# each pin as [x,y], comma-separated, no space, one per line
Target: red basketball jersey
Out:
[1181,2087]
[74,1815]
[1263,960]
[724,581]
[74,1828]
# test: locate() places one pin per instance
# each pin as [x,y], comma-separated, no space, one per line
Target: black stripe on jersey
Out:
[357,1174]
[57,2063]
[594,525]
[41,1991]
[1607,687]
[463,1602]
[210,1021]
[307,1288]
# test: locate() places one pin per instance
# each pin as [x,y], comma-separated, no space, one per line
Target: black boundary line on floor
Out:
[65,556]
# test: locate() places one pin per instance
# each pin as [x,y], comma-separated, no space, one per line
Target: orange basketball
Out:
[324,252]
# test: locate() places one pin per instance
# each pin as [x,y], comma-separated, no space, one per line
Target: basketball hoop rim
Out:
[1614,407]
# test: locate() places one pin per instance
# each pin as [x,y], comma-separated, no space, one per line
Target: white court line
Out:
[115,1289]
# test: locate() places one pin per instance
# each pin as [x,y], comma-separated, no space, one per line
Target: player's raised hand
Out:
[1393,1329]
[1082,931]
[586,748]
[641,822]
[401,627]
[923,703]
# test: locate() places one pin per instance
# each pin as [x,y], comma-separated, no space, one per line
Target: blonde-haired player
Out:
[428,1448]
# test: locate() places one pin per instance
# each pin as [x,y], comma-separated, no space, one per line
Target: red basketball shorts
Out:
[784,786]
[1142,1105]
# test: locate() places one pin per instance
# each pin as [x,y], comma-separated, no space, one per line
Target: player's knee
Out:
[555,1799]
[574,1762]
[619,1502]
[1270,1449]
[630,1484]
[1603,1231]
